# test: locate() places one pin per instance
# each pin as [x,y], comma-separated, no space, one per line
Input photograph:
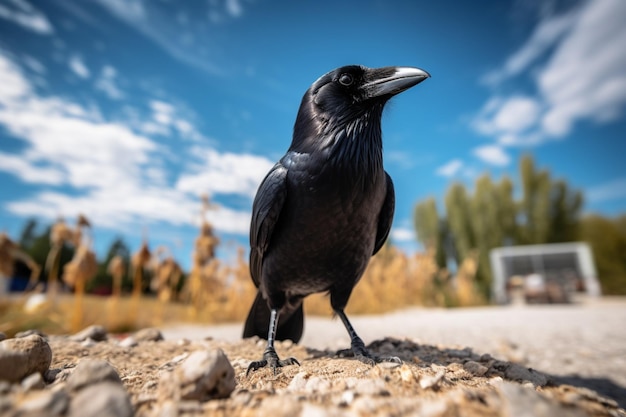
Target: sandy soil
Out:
[543,361]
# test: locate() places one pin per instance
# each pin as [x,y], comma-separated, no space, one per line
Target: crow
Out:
[325,208]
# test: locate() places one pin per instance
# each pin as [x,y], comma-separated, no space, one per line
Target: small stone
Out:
[486,357]
[370,387]
[517,372]
[460,353]
[31,332]
[520,401]
[88,343]
[206,375]
[432,381]
[475,368]
[44,403]
[128,342]
[299,381]
[148,335]
[92,371]
[95,332]
[347,398]
[20,357]
[2,336]
[406,374]
[104,399]
[33,382]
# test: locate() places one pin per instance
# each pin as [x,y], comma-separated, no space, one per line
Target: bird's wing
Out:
[385,217]
[266,209]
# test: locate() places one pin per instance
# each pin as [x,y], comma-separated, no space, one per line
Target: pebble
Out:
[517,372]
[95,332]
[50,403]
[475,368]
[128,342]
[31,332]
[104,399]
[92,371]
[205,375]
[20,357]
[432,381]
[520,401]
[33,382]
[149,334]
[2,336]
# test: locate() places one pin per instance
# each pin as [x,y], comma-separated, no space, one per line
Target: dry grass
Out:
[224,293]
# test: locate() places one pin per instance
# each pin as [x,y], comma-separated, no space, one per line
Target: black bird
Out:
[325,208]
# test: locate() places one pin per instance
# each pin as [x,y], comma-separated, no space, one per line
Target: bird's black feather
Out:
[327,206]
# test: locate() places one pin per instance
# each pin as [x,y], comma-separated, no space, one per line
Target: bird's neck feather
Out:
[350,144]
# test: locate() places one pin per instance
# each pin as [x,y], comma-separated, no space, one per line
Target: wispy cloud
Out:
[578,62]
[613,190]
[450,169]
[402,234]
[78,67]
[21,12]
[107,83]
[85,163]
[493,154]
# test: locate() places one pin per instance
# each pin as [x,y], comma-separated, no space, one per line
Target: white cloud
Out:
[450,169]
[402,234]
[586,78]
[580,60]
[512,115]
[86,164]
[234,8]
[24,14]
[545,35]
[78,67]
[493,154]
[106,83]
[225,173]
[612,190]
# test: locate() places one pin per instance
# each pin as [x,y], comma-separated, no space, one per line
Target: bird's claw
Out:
[271,360]
[363,355]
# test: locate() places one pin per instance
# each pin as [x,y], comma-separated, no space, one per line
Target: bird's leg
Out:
[358,347]
[270,357]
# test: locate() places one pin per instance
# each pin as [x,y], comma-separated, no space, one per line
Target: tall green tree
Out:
[607,238]
[431,230]
[459,221]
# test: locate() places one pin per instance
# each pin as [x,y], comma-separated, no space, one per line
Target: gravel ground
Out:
[582,344]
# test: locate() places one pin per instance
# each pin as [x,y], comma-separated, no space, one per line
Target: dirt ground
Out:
[551,360]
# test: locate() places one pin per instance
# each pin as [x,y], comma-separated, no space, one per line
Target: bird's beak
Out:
[389,81]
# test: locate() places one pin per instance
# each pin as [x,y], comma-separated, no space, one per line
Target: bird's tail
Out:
[290,325]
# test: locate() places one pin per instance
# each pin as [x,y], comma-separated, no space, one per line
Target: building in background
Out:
[549,273]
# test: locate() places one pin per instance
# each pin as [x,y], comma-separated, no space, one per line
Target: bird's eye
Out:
[345,79]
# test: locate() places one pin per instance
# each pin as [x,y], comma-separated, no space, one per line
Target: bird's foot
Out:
[359,352]
[271,359]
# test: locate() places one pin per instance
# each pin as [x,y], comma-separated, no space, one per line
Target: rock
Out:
[96,333]
[33,381]
[205,375]
[432,381]
[517,372]
[3,336]
[406,374]
[518,401]
[23,356]
[475,368]
[30,332]
[43,403]
[104,399]
[128,342]
[90,372]
[148,335]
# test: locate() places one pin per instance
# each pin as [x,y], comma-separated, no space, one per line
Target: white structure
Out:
[562,262]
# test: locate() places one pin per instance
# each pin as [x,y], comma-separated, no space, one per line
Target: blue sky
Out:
[128,111]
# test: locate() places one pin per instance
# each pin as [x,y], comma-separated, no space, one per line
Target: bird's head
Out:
[349,95]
